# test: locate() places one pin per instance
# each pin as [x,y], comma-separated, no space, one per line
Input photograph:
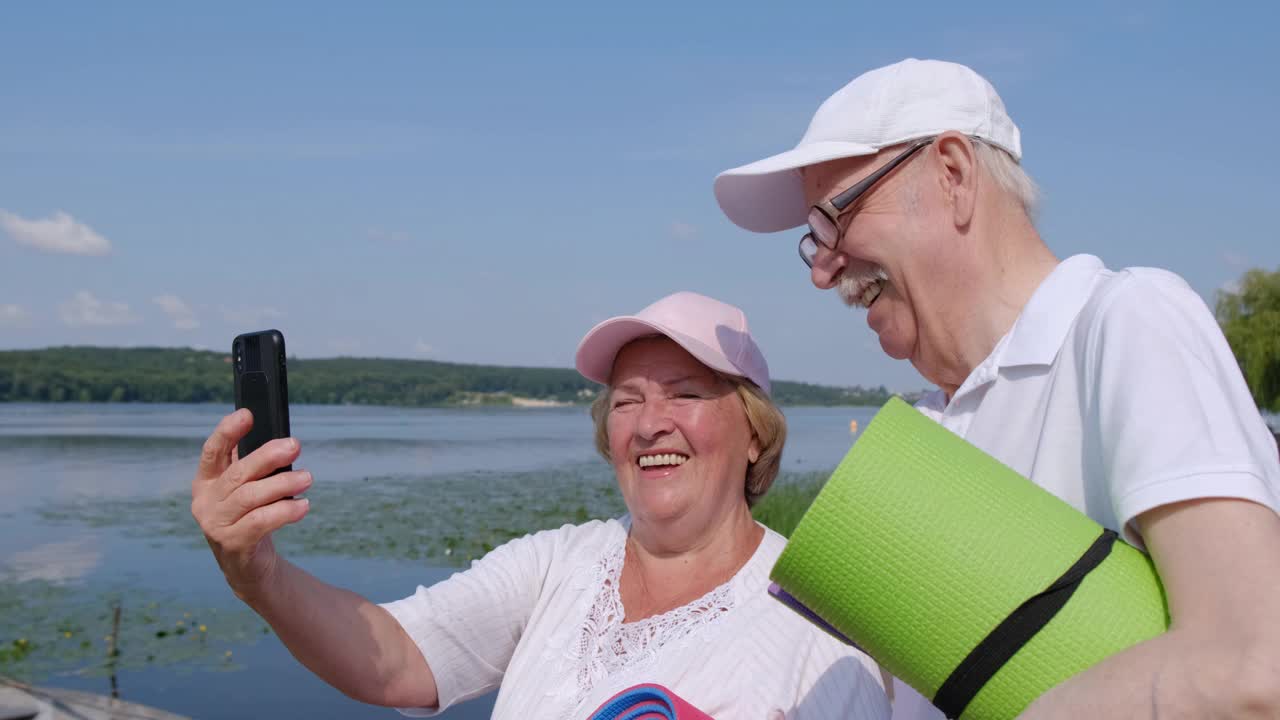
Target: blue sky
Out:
[481,182]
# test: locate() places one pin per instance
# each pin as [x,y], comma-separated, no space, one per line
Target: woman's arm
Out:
[348,641]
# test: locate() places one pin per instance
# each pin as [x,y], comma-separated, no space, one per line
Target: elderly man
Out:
[1114,390]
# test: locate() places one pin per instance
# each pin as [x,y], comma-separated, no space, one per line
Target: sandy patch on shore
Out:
[536,403]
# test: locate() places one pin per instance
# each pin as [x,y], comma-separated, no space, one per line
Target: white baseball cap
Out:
[714,332]
[888,106]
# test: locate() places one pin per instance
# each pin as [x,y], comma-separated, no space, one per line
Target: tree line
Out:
[181,375]
[1249,315]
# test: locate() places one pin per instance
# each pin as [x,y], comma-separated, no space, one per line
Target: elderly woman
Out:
[672,593]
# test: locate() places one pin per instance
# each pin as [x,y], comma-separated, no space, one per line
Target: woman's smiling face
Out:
[678,434]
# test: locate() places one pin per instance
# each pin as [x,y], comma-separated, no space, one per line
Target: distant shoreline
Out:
[521,404]
[181,375]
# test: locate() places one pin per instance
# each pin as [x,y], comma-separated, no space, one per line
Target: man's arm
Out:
[1219,560]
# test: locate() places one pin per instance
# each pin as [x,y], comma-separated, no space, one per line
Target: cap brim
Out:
[600,346]
[768,195]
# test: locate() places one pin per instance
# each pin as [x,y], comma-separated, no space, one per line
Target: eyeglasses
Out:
[824,218]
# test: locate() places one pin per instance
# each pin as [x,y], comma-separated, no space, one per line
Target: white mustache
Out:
[852,283]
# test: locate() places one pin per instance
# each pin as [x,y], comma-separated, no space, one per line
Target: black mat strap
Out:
[985,660]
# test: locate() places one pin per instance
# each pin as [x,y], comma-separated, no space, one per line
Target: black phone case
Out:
[262,386]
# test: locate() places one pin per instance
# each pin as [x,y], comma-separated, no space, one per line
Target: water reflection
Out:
[55,562]
[93,501]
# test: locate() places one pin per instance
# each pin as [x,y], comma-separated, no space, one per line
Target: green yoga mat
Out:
[920,545]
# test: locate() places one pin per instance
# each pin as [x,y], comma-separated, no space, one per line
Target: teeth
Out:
[871,293]
[863,288]
[666,459]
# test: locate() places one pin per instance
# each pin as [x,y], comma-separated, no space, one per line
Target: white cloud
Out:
[255,318]
[381,235]
[422,348]
[1010,55]
[292,142]
[85,309]
[1136,18]
[1235,260]
[178,311]
[59,233]
[344,346]
[683,230]
[13,316]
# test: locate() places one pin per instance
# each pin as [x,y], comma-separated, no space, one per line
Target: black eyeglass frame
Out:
[835,207]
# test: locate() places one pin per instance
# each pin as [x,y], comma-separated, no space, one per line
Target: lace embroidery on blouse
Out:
[605,646]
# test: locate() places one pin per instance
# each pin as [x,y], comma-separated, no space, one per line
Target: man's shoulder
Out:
[1136,282]
[1140,319]
[1140,294]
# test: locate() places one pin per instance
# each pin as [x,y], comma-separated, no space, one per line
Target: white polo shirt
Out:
[1117,392]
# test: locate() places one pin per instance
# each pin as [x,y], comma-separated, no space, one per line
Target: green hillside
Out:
[93,374]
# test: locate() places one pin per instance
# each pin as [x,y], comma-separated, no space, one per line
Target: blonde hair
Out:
[768,428]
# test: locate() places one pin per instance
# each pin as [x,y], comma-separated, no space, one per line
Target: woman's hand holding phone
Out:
[238,503]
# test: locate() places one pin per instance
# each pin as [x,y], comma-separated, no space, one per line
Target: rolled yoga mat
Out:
[921,546]
[647,702]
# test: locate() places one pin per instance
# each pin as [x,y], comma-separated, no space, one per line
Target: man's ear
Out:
[959,161]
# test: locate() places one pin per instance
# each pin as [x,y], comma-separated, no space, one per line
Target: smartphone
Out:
[262,386]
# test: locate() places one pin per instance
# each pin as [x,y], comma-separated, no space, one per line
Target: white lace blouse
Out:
[541,618]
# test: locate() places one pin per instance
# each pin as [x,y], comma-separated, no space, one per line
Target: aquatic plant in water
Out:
[446,520]
[51,629]
[46,628]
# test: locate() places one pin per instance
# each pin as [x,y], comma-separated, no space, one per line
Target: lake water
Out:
[94,512]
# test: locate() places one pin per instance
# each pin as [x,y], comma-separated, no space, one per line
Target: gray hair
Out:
[1009,176]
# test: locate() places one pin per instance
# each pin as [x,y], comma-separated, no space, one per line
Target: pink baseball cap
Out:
[714,332]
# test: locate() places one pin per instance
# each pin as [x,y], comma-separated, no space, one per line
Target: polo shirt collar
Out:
[1041,328]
